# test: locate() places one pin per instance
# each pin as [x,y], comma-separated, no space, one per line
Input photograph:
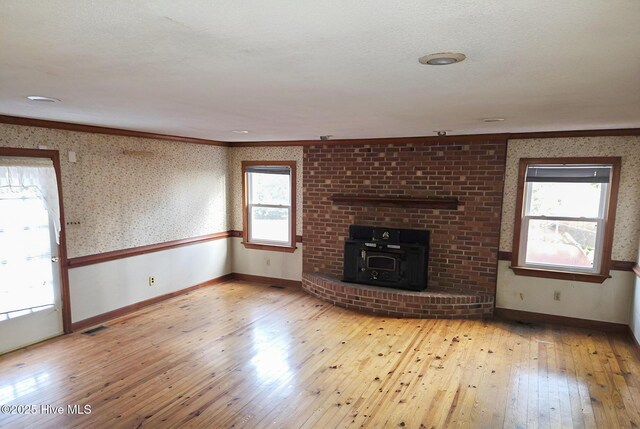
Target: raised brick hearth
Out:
[433,304]
[353,184]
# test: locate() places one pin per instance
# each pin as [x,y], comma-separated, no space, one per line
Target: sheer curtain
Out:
[36,175]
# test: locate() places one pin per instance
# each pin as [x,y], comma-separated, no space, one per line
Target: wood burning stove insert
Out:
[395,258]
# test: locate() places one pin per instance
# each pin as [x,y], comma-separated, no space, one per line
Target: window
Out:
[564,217]
[26,276]
[269,205]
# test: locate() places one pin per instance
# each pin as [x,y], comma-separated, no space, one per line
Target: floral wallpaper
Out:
[160,191]
[239,154]
[163,191]
[625,240]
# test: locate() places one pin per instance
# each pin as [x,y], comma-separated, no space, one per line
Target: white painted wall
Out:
[99,288]
[607,302]
[266,263]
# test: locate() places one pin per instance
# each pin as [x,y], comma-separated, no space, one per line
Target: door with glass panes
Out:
[30,297]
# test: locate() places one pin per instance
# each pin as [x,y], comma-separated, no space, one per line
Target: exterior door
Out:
[30,297]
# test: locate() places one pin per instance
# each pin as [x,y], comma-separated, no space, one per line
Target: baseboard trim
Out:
[267,280]
[526,316]
[122,311]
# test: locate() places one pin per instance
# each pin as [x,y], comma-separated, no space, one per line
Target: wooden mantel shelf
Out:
[398,201]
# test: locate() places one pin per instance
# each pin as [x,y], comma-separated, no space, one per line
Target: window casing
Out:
[269,205]
[564,218]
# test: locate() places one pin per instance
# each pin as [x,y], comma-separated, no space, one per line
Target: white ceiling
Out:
[298,69]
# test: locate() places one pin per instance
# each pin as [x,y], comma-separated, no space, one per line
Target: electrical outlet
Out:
[152,280]
[268,262]
[556,296]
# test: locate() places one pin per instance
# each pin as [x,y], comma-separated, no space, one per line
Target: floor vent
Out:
[277,287]
[95,330]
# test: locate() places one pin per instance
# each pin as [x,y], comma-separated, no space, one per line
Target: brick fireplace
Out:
[452,188]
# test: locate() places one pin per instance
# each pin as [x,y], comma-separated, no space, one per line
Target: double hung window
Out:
[269,204]
[564,219]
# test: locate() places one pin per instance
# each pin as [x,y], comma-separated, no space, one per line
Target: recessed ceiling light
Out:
[493,120]
[442,59]
[43,99]
[240,131]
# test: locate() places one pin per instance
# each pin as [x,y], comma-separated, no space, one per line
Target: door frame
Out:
[54,156]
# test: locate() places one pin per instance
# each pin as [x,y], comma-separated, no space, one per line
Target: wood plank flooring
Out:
[242,355]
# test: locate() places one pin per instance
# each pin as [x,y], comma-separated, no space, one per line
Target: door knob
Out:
[55,259]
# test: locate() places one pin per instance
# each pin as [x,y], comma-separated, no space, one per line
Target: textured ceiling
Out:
[298,69]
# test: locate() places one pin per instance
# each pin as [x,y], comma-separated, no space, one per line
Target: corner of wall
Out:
[261,262]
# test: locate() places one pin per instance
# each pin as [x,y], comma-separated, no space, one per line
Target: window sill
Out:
[270,247]
[560,275]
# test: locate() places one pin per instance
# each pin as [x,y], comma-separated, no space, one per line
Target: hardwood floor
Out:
[246,355]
